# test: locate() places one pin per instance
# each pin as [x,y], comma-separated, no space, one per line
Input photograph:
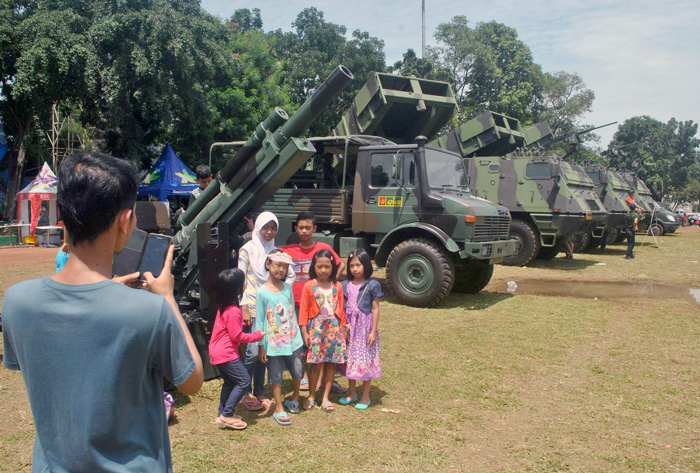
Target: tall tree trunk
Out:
[16,161]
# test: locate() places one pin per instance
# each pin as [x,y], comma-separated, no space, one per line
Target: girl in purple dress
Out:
[362,294]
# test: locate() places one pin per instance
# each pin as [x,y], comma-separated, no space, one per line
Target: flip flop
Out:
[238,425]
[304,386]
[309,405]
[337,388]
[327,407]
[279,416]
[267,403]
[345,401]
[252,404]
[292,406]
[362,407]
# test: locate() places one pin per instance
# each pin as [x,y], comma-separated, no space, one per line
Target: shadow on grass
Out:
[562,264]
[480,301]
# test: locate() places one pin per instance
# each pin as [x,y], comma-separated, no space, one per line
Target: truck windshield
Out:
[445,170]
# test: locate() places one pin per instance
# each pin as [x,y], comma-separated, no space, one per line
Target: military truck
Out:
[657,219]
[405,202]
[408,204]
[548,198]
[613,191]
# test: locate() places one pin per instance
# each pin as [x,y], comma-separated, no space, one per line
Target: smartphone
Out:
[154,254]
[127,261]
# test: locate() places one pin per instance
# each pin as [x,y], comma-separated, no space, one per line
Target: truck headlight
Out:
[670,218]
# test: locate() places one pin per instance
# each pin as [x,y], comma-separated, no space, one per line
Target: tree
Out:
[427,68]
[313,50]
[564,100]
[45,49]
[156,61]
[664,155]
[491,69]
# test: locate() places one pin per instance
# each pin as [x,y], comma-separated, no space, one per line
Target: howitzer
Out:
[211,227]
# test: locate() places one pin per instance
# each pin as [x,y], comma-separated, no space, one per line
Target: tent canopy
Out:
[168,176]
[38,200]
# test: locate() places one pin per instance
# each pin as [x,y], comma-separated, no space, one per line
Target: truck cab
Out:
[410,207]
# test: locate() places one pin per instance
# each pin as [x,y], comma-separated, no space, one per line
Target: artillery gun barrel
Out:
[211,211]
[273,121]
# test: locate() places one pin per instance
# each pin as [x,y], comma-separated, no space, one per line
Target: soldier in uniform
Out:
[631,226]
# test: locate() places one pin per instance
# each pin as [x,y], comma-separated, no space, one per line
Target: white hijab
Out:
[258,248]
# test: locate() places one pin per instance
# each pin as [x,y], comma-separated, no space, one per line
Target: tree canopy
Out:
[144,73]
[665,155]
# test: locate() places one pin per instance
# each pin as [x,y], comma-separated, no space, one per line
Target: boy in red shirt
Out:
[301,254]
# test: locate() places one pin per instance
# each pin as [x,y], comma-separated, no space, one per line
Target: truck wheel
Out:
[549,252]
[656,229]
[419,273]
[528,244]
[581,242]
[595,243]
[470,279]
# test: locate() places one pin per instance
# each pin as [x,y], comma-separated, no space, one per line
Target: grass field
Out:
[493,382]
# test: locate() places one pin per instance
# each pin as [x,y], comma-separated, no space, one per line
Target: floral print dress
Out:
[363,360]
[327,339]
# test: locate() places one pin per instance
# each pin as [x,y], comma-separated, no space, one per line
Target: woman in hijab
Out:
[251,260]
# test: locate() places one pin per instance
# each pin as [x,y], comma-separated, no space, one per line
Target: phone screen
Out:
[155,253]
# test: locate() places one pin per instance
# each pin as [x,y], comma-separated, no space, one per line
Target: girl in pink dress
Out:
[362,294]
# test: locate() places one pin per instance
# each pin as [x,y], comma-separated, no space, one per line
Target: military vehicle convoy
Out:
[613,192]
[548,199]
[657,219]
[407,203]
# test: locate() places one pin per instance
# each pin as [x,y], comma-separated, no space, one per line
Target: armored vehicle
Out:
[657,219]
[548,199]
[613,191]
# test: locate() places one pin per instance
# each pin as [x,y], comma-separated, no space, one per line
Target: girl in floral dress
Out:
[323,326]
[362,294]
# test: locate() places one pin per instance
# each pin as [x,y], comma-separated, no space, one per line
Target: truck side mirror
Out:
[395,167]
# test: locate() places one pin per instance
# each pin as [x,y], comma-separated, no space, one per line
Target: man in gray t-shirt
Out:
[93,352]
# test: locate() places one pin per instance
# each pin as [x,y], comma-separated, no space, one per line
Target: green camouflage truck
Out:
[548,198]
[657,219]
[407,203]
[613,191]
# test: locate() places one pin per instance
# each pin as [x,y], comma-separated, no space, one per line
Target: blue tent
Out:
[168,176]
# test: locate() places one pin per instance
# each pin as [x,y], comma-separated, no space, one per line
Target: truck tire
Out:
[419,273]
[549,252]
[528,243]
[595,243]
[470,279]
[656,229]
[581,242]
[620,237]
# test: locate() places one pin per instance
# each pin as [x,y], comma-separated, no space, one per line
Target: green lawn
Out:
[493,382]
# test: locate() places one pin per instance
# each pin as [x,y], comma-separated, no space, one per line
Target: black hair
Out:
[364,258]
[229,287]
[267,259]
[306,216]
[92,189]
[323,254]
[202,171]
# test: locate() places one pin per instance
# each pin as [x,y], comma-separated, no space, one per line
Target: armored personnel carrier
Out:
[548,199]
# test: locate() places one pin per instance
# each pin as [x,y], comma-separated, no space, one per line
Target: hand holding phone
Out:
[165,282]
